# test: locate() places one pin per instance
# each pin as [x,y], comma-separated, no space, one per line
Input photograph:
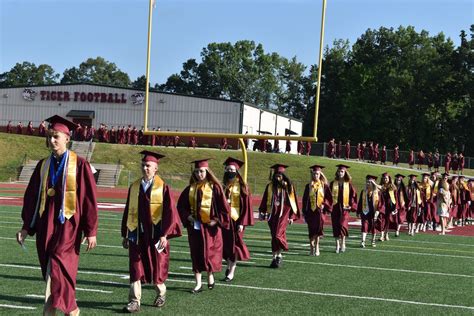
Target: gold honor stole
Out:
[234,200]
[435,187]
[365,198]
[427,188]
[70,193]
[156,203]
[316,196]
[206,201]
[391,193]
[345,193]
[270,198]
[402,199]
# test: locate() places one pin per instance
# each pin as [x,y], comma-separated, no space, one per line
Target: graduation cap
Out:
[342,167]
[151,156]
[233,162]
[385,174]
[201,163]
[316,168]
[399,176]
[425,174]
[60,124]
[370,177]
[412,176]
[445,174]
[279,168]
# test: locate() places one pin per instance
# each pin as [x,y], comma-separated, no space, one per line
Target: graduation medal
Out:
[51,192]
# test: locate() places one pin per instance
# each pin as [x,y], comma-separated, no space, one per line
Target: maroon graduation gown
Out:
[370,224]
[60,243]
[391,220]
[206,244]
[316,218]
[145,263]
[279,216]
[412,206]
[234,248]
[402,206]
[339,216]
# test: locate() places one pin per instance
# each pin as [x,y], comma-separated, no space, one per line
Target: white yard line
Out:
[369,298]
[35,296]
[93,290]
[277,290]
[17,307]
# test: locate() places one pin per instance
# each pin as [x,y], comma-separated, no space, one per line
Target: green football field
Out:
[425,274]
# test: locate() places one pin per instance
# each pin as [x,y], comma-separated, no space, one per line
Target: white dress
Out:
[444,200]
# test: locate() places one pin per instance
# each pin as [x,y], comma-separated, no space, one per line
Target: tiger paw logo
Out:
[29,94]
[138,98]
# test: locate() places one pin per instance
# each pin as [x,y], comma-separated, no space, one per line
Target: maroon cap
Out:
[151,156]
[233,162]
[385,174]
[279,168]
[425,174]
[316,167]
[412,176]
[399,176]
[201,163]
[60,124]
[370,177]
[343,167]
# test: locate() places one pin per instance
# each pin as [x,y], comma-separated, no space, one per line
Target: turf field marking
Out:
[281,290]
[370,298]
[35,296]
[185,268]
[93,290]
[376,268]
[17,307]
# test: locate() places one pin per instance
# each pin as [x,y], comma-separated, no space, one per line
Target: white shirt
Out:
[146,184]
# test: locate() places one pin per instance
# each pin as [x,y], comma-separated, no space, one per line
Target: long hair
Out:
[347,176]
[286,182]
[243,185]
[209,176]
[322,178]
[390,183]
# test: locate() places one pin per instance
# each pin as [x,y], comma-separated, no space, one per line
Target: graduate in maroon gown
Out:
[389,194]
[427,196]
[42,129]
[402,198]
[347,150]
[280,202]
[434,217]
[150,219]
[176,140]
[370,209]
[223,145]
[344,197]
[411,159]
[238,196]
[19,128]
[464,194]
[9,128]
[58,219]
[470,212]
[455,201]
[414,203]
[317,202]
[420,157]
[383,155]
[204,211]
[396,155]
[29,129]
[288,146]
[331,149]
[436,160]
[359,152]
[447,162]
[300,147]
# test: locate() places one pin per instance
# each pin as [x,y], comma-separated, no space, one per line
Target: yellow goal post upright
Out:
[240,137]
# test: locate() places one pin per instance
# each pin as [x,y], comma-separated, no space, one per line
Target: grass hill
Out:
[176,167]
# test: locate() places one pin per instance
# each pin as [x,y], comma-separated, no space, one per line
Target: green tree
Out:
[96,70]
[27,74]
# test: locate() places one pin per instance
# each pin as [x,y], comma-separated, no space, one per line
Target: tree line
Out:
[392,86]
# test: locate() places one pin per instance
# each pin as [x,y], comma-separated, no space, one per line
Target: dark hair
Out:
[286,182]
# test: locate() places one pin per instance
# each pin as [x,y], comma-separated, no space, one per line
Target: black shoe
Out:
[279,261]
[196,291]
[211,286]
[274,264]
[227,271]
[227,279]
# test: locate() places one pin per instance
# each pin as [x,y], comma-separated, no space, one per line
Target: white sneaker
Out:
[317,253]
[343,248]
[362,244]
[438,229]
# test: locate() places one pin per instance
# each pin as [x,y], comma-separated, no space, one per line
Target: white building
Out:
[92,104]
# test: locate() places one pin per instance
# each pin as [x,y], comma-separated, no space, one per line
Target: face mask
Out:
[230,175]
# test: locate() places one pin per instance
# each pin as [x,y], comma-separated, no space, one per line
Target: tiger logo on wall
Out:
[138,98]
[29,94]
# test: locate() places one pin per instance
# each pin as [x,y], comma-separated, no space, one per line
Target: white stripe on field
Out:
[376,268]
[17,307]
[369,298]
[93,290]
[299,292]
[35,296]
